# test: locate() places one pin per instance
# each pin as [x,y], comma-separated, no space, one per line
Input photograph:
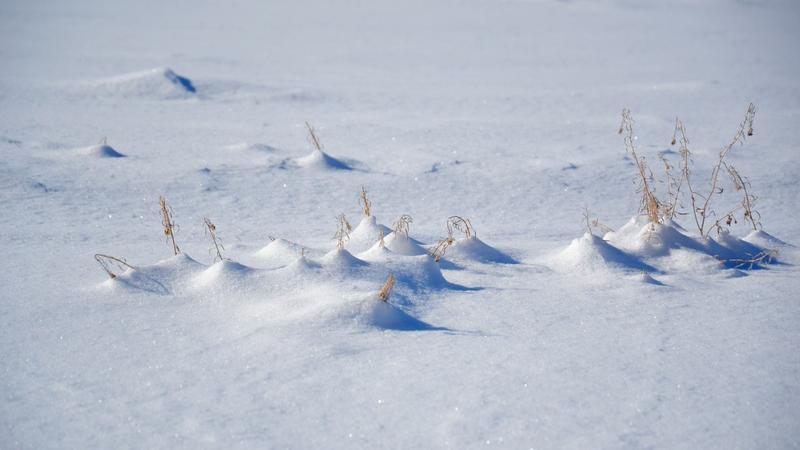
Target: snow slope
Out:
[503,112]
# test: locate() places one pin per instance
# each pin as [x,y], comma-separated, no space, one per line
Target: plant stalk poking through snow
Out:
[108,263]
[704,212]
[312,137]
[211,229]
[343,232]
[454,223]
[403,225]
[741,184]
[386,290]
[168,222]
[460,224]
[650,204]
[364,202]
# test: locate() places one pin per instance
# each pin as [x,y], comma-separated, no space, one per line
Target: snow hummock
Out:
[102,151]
[671,245]
[366,234]
[158,83]
[474,249]
[223,272]
[402,244]
[590,253]
[341,260]
[318,159]
[279,252]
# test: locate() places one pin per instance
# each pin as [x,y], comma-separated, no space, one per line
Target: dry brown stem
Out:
[649,204]
[363,201]
[168,223]
[386,290]
[342,234]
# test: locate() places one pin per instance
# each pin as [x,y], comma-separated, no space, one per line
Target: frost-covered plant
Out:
[211,229]
[343,230]
[111,263]
[168,223]
[386,290]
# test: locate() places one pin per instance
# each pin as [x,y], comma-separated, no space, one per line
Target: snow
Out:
[533,333]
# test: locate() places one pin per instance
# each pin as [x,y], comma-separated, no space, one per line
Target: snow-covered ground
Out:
[529,333]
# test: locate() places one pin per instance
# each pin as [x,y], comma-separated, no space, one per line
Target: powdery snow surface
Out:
[529,333]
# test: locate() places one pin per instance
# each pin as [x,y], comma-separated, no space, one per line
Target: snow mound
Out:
[765,240]
[418,273]
[277,253]
[592,254]
[404,245]
[669,241]
[366,234]
[162,277]
[375,313]
[377,253]
[102,151]
[158,83]
[474,249]
[321,160]
[340,260]
[223,272]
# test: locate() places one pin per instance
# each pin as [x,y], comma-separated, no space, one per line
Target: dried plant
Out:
[765,256]
[745,129]
[649,204]
[342,234]
[454,223]
[386,290]
[168,223]
[363,201]
[111,263]
[403,225]
[592,224]
[211,229]
[701,204]
[438,251]
[457,223]
[741,184]
[586,220]
[313,138]
[381,242]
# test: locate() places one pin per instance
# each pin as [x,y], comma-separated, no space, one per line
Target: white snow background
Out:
[504,112]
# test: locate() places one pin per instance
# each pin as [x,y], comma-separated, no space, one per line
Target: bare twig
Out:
[109,263]
[313,138]
[211,229]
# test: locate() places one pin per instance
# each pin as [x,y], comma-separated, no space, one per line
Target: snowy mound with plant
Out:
[306,317]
